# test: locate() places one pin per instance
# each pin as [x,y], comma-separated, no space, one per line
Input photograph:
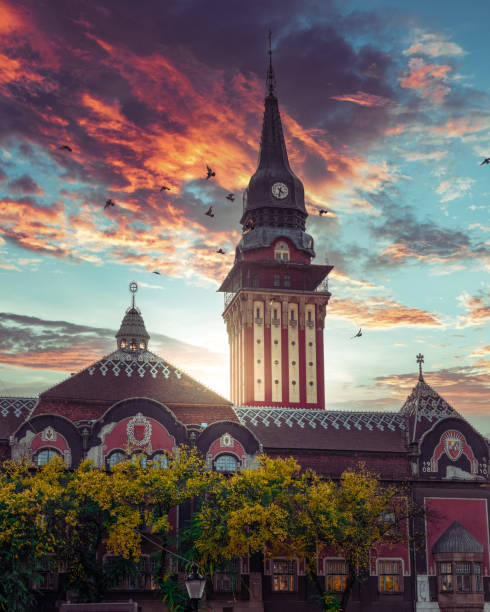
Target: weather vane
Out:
[420,361]
[133,287]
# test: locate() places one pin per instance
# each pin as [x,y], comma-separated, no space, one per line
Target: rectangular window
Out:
[228,580]
[389,523]
[477,573]
[463,576]
[283,576]
[445,577]
[287,280]
[336,576]
[277,280]
[390,576]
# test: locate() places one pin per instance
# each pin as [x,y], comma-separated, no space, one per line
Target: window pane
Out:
[226,463]
[389,576]
[45,456]
[116,457]
[283,575]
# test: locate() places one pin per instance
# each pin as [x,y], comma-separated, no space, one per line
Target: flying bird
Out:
[65,148]
[231,197]
[164,188]
[358,335]
[209,212]
[156,272]
[108,203]
[210,172]
[485,161]
[323,211]
[220,251]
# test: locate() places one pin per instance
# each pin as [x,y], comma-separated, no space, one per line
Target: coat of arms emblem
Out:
[139,430]
[453,444]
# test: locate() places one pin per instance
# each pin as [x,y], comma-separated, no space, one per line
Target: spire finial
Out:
[271,80]
[420,361]
[133,288]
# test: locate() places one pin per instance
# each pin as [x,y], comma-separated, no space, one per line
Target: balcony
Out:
[322,287]
[228,298]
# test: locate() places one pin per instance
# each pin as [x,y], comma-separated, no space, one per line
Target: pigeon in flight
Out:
[209,212]
[108,203]
[220,251]
[323,211]
[231,197]
[65,148]
[485,161]
[358,335]
[164,188]
[210,172]
[156,272]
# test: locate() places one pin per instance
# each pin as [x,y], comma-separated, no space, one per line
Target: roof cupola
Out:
[132,335]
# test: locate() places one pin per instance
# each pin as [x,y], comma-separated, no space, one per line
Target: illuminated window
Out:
[445,577]
[283,575]
[281,251]
[226,463]
[123,344]
[336,576]
[134,345]
[116,457]
[390,576]
[46,455]
[142,345]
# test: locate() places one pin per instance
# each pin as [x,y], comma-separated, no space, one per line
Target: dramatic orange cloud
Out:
[478,312]
[363,99]
[427,79]
[381,313]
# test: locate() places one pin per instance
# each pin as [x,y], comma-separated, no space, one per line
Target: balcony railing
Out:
[322,287]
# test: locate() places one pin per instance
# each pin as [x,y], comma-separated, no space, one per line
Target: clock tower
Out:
[275,298]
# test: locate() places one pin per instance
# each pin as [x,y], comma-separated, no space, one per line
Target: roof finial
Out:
[133,287]
[420,361]
[271,80]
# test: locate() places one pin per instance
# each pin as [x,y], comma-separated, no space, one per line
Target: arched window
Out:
[226,463]
[139,459]
[134,345]
[159,461]
[142,345]
[44,456]
[281,251]
[116,457]
[123,344]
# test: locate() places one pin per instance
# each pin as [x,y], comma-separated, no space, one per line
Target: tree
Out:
[69,516]
[279,510]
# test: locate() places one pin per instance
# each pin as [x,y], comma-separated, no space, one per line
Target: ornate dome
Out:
[132,335]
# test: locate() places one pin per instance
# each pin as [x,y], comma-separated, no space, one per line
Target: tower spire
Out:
[271,79]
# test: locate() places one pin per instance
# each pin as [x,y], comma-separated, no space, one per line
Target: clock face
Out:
[280,191]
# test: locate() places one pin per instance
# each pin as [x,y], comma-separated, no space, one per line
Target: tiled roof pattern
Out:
[13,412]
[322,429]
[122,375]
[426,402]
[424,406]
[456,539]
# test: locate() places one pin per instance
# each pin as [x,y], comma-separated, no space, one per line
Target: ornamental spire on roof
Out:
[420,361]
[132,335]
[271,79]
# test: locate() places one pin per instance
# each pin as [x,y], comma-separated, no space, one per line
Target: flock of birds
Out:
[249,226]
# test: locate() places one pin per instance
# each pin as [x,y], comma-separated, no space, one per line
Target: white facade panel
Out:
[259,369]
[276,354]
[293,353]
[310,355]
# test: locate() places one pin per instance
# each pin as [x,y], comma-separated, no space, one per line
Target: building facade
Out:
[275,307]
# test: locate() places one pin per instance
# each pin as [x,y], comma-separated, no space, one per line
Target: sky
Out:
[386,113]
